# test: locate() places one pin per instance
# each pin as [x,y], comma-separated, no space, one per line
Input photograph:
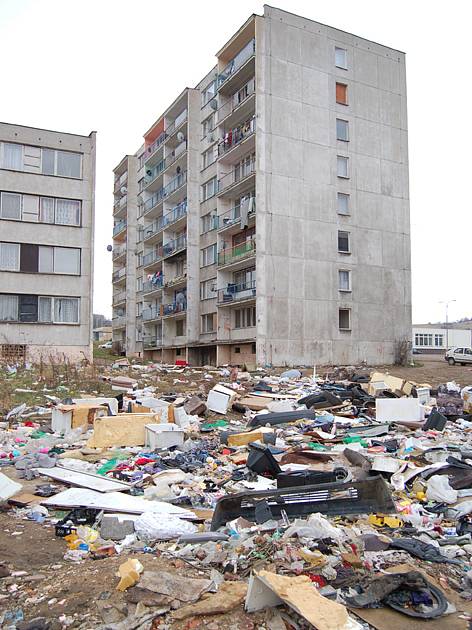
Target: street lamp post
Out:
[447,302]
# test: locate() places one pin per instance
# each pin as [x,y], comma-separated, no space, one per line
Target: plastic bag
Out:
[440,490]
[151,526]
[316,526]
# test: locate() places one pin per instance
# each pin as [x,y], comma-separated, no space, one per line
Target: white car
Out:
[459,355]
[107,345]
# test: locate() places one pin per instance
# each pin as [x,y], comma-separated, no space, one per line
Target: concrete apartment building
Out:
[272,210]
[47,184]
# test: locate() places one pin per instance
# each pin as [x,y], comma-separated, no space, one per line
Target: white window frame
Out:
[205,255]
[208,289]
[342,64]
[208,222]
[211,183]
[203,325]
[54,310]
[247,317]
[348,310]
[4,243]
[40,198]
[342,159]
[340,210]
[349,285]
[342,126]
[342,251]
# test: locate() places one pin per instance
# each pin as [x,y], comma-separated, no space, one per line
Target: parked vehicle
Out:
[459,355]
[107,345]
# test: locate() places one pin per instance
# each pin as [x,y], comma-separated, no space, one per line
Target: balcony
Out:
[178,281]
[120,205]
[119,297]
[152,257]
[174,126]
[237,254]
[120,275]
[152,343]
[153,174]
[120,182]
[237,218]
[236,293]
[238,179]
[151,286]
[119,228]
[174,309]
[152,148]
[170,218]
[119,322]
[153,313]
[239,105]
[236,136]
[174,247]
[118,252]
[241,64]
[165,192]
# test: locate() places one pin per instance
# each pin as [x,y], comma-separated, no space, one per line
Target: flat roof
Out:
[68,133]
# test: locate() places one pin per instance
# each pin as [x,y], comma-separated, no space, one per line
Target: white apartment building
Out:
[47,185]
[272,209]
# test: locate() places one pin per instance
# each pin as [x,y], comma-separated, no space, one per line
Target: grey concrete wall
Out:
[297,221]
[73,341]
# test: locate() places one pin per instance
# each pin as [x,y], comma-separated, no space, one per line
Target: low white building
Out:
[437,338]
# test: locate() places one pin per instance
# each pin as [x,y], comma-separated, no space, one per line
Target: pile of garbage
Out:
[335,503]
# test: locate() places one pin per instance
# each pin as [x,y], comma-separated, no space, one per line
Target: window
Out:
[67,212]
[208,93]
[341,93]
[178,352]
[139,284]
[45,309]
[340,58]
[344,319]
[343,203]
[8,308]
[342,130]
[343,242]
[423,339]
[342,166]
[209,156]
[209,323]
[9,256]
[179,328]
[237,350]
[61,163]
[344,280]
[208,255]
[66,310]
[67,260]
[209,222]
[12,156]
[208,125]
[46,260]
[208,289]
[10,206]
[245,317]
[28,310]
[439,341]
[253,348]
[47,162]
[245,279]
[209,189]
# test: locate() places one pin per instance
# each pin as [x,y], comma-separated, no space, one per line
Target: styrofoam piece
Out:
[391,409]
[260,596]
[386,464]
[423,394]
[100,400]
[218,401]
[8,487]
[182,418]
[113,502]
[164,435]
[83,479]
[61,421]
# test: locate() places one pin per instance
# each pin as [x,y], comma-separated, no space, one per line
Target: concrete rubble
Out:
[263,499]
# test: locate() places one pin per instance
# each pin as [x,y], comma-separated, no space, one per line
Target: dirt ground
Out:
[433,370]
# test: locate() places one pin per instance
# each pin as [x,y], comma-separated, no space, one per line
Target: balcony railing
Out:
[151,313]
[174,184]
[120,181]
[152,148]
[119,227]
[238,174]
[237,99]
[181,118]
[239,60]
[118,251]
[167,219]
[120,273]
[153,285]
[236,253]
[152,342]
[236,135]
[233,216]
[177,244]
[237,292]
[118,322]
[174,281]
[174,309]
[119,297]
[152,257]
[153,173]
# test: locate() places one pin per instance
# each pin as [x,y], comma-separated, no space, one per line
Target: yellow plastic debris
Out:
[385,521]
[129,573]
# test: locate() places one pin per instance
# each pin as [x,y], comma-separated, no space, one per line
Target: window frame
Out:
[348,250]
[342,125]
[204,318]
[344,62]
[345,89]
[203,263]
[349,281]
[347,197]
[349,314]
[204,294]
[342,159]
[40,200]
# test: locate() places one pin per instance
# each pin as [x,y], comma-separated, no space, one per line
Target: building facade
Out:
[47,185]
[273,206]
[437,338]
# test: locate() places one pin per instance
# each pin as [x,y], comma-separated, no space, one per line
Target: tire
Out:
[451,361]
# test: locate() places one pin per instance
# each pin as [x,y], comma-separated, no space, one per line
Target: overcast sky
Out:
[114,66]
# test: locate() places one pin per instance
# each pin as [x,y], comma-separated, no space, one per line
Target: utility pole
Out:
[447,302]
